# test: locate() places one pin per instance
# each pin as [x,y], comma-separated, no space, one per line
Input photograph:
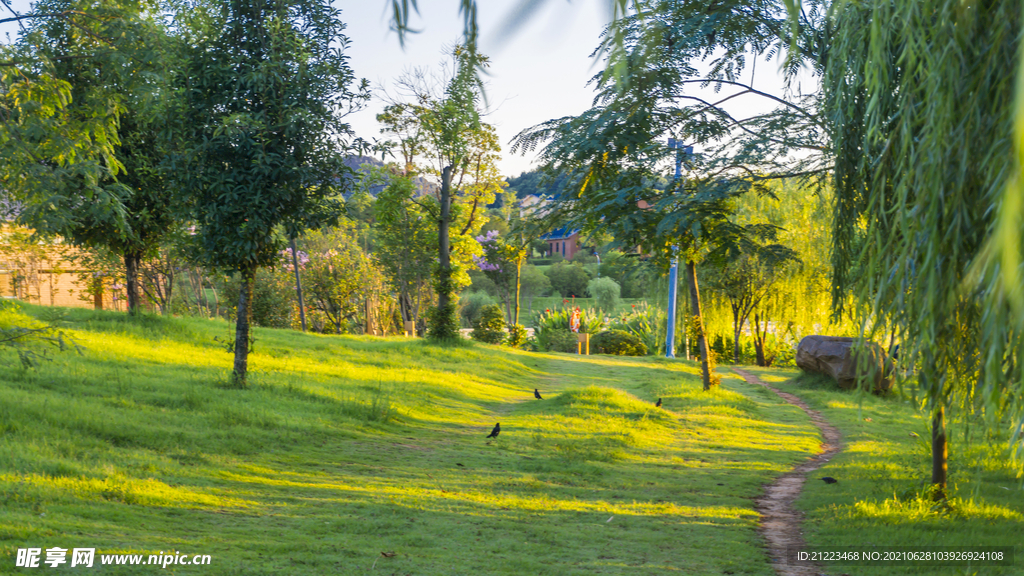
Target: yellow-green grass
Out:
[343,448]
[884,472]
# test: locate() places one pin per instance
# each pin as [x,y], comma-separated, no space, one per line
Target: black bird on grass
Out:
[536,394]
[497,430]
[829,480]
[658,405]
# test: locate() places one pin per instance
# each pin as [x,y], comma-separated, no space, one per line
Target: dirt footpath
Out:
[780,521]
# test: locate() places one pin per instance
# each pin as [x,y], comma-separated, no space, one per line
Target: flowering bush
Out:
[501,263]
[553,331]
[591,321]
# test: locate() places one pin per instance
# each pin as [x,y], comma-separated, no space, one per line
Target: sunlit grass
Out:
[342,448]
[345,447]
[884,471]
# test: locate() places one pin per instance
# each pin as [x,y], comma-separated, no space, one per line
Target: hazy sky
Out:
[536,74]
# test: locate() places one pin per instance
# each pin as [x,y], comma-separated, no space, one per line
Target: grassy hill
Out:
[353,455]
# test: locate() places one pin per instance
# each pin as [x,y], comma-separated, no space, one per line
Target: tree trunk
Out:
[298,286]
[940,453]
[444,327]
[97,293]
[698,319]
[242,327]
[759,338]
[131,280]
[519,272]
[443,224]
[736,328]
[404,305]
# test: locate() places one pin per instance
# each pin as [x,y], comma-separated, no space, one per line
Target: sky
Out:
[536,74]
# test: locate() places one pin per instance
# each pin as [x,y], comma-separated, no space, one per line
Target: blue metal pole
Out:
[670,332]
[673,271]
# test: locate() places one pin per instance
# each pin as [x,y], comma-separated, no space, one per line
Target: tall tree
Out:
[921,124]
[264,92]
[66,82]
[746,279]
[460,151]
[131,68]
[406,245]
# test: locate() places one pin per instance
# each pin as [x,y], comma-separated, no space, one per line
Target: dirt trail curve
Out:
[780,521]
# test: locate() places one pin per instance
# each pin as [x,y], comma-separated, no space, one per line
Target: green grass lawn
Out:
[344,448]
[347,447]
[884,472]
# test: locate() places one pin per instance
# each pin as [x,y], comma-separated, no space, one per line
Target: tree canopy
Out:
[264,91]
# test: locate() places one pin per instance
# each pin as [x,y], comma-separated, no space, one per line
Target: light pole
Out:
[673,271]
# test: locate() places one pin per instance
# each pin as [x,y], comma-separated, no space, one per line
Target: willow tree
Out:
[921,123]
[263,96]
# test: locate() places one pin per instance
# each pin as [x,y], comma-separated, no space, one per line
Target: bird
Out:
[497,430]
[658,405]
[829,480]
[536,394]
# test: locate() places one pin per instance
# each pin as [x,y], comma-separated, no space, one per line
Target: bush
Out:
[533,282]
[646,323]
[605,291]
[635,276]
[568,279]
[557,340]
[618,343]
[472,303]
[517,336]
[490,327]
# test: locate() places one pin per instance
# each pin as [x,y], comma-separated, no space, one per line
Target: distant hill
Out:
[363,165]
[535,183]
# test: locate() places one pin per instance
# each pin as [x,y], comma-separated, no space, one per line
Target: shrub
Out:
[568,279]
[517,336]
[490,327]
[646,323]
[618,343]
[557,340]
[472,303]
[605,291]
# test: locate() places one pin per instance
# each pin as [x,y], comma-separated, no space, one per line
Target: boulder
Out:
[839,358]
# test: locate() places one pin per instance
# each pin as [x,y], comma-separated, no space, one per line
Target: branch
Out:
[739,124]
[760,177]
[748,88]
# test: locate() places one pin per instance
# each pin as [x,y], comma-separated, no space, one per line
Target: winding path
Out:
[780,521]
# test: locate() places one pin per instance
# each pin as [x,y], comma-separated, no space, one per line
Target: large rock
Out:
[840,358]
